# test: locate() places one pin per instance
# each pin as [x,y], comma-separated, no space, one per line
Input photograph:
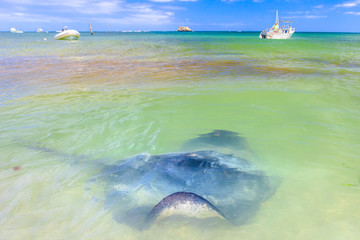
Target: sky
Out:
[168,15]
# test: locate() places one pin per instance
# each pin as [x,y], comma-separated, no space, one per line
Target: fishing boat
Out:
[14,30]
[39,30]
[283,31]
[67,34]
[184,29]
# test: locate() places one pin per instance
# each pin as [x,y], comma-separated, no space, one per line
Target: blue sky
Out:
[164,15]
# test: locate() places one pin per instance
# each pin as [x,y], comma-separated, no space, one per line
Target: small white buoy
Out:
[45,39]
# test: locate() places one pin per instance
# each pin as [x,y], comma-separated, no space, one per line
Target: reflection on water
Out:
[69,107]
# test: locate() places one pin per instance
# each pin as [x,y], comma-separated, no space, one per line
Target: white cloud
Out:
[174,8]
[20,17]
[230,1]
[67,3]
[166,1]
[348,4]
[315,13]
[82,6]
[102,7]
[108,10]
[307,16]
[297,12]
[353,13]
[161,1]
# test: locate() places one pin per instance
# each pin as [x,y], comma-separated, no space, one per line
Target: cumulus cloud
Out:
[166,1]
[160,1]
[81,6]
[307,16]
[315,13]
[112,11]
[348,4]
[353,13]
[28,17]
[230,1]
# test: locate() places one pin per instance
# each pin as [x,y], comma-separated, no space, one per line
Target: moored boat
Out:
[184,29]
[14,30]
[278,31]
[67,34]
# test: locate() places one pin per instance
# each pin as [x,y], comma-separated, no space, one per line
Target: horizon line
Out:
[149,31]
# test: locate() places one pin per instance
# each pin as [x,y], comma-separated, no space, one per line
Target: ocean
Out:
[70,106]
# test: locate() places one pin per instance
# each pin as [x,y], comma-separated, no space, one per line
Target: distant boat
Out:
[184,29]
[284,31]
[67,34]
[39,30]
[14,30]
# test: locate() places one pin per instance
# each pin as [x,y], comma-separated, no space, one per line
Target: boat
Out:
[184,29]
[285,30]
[67,34]
[14,30]
[39,30]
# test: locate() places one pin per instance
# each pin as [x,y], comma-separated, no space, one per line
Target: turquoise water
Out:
[110,96]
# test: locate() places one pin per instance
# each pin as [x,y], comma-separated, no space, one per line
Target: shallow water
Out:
[67,106]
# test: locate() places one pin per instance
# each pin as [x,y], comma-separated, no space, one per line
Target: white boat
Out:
[14,30]
[285,30]
[67,34]
[39,30]
[184,29]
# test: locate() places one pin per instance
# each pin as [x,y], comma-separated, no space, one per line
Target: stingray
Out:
[147,188]
[199,184]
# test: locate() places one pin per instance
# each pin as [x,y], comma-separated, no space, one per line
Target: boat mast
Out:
[91,31]
[277,17]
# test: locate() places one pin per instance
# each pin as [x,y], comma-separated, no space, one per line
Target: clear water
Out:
[110,96]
